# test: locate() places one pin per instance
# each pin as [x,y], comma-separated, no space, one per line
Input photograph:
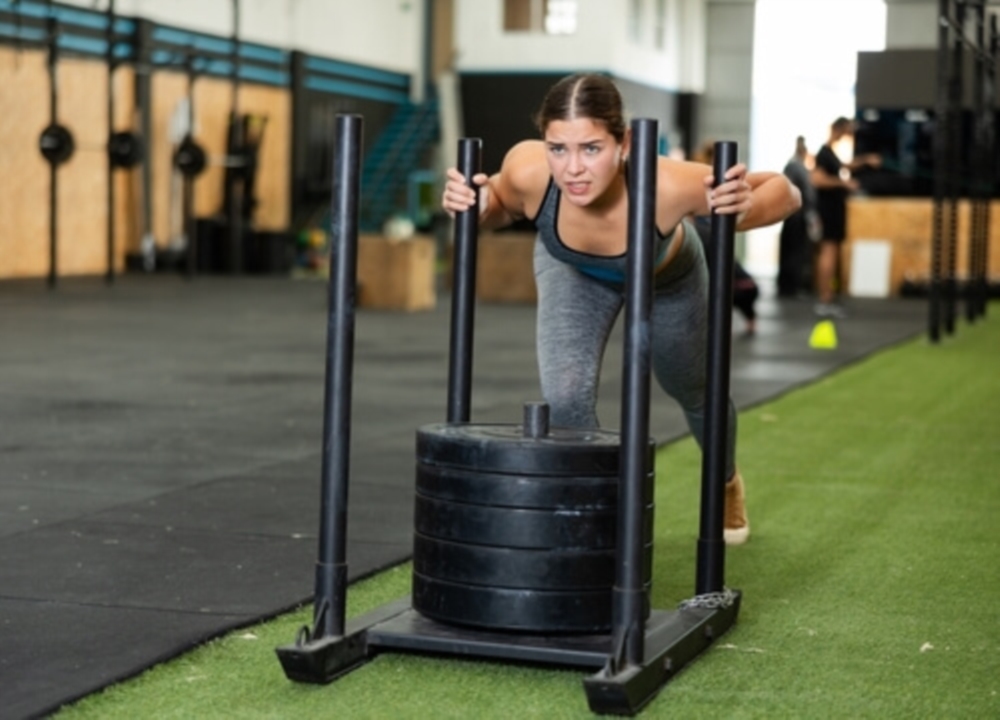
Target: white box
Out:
[870,262]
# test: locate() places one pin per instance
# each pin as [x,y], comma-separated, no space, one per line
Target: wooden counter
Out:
[907,225]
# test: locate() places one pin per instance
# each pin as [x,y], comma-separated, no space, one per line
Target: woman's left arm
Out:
[757,199]
[770,198]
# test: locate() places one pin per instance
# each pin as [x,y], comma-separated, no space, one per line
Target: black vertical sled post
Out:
[644,658]
[711,546]
[331,567]
[463,301]
[629,597]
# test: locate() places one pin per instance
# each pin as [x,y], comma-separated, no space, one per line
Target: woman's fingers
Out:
[731,196]
[457,195]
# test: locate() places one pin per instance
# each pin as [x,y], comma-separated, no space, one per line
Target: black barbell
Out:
[191,159]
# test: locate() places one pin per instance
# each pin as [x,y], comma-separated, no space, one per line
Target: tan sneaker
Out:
[736,527]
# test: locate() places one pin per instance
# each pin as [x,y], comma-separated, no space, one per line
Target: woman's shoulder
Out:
[526,156]
[680,189]
[679,175]
[526,168]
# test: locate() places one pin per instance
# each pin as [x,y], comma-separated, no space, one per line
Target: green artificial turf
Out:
[870,581]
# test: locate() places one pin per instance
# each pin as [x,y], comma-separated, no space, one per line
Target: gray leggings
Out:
[576,314]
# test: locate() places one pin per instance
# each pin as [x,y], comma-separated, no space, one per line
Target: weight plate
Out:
[504,449]
[56,144]
[190,158]
[517,490]
[506,609]
[557,569]
[124,149]
[514,527]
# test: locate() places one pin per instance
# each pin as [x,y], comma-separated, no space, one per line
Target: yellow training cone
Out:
[824,336]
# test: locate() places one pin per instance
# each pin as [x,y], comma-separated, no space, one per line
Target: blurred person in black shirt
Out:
[833,183]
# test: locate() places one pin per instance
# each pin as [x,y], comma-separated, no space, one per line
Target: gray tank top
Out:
[610,268]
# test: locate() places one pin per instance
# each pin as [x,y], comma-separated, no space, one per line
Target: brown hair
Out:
[589,96]
[842,125]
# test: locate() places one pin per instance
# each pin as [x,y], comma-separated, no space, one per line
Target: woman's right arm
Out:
[501,196]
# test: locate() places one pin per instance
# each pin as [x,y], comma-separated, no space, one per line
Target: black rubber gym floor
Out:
[160,451]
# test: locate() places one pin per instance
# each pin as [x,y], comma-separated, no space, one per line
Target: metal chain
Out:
[710,601]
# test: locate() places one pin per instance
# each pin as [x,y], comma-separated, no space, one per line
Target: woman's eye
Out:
[592,150]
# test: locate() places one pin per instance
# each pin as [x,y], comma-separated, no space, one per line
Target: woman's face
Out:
[584,158]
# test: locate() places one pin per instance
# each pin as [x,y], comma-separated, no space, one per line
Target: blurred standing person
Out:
[833,186]
[799,230]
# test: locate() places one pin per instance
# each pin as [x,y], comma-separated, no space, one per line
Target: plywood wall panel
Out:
[274,160]
[24,174]
[907,224]
[83,180]
[213,102]
[128,182]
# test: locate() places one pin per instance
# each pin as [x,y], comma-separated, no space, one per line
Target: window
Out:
[660,26]
[635,20]
[560,17]
[554,17]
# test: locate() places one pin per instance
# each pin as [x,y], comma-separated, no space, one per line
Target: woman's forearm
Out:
[773,200]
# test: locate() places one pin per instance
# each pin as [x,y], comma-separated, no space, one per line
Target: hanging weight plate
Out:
[124,149]
[190,158]
[505,449]
[56,143]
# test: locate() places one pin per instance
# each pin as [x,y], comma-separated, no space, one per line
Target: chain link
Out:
[710,601]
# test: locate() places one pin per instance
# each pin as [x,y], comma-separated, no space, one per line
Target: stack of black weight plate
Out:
[518,533]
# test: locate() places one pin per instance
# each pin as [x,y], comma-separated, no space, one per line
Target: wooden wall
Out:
[907,223]
[82,181]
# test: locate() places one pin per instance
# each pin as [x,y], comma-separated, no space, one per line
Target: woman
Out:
[572,185]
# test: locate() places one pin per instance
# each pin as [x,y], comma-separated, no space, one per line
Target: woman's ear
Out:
[626,144]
